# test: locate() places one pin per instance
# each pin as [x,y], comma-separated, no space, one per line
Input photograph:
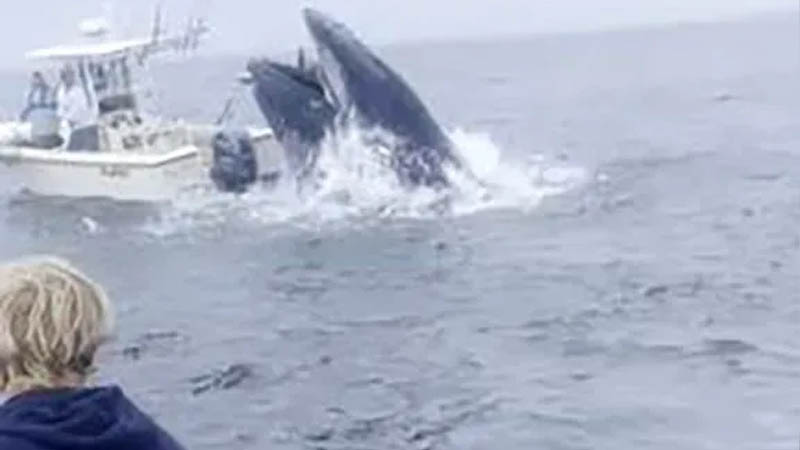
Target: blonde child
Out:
[53,319]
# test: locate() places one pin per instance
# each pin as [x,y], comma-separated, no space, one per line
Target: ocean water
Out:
[627,278]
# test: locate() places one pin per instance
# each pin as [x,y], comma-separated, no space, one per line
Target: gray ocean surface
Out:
[653,305]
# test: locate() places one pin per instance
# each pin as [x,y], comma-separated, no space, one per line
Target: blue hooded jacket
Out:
[79,419]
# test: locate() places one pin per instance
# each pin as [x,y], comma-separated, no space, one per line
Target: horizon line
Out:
[727,19]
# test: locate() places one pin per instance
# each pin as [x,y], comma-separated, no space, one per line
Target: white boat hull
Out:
[131,180]
[128,177]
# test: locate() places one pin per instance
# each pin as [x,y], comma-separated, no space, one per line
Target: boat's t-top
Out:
[85,98]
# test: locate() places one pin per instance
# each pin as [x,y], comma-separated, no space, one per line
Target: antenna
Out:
[157,22]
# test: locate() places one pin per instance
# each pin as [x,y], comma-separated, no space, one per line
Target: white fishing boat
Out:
[91,137]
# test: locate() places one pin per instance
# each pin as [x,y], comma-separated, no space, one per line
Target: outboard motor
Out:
[234,166]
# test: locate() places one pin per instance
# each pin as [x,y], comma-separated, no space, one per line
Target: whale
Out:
[349,86]
[294,105]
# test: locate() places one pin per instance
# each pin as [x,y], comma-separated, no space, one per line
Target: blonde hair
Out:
[53,318]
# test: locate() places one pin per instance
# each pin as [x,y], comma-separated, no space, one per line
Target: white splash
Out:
[357,187]
[90,225]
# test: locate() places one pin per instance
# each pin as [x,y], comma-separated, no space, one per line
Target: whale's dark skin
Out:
[350,83]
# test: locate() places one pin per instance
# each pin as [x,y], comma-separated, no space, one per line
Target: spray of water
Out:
[355,186]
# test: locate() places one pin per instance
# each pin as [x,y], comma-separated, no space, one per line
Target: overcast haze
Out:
[246,26]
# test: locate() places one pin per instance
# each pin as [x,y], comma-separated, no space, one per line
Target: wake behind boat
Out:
[90,136]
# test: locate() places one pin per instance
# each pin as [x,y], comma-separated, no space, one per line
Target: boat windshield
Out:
[111,82]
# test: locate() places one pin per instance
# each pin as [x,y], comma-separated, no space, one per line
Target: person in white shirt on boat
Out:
[73,103]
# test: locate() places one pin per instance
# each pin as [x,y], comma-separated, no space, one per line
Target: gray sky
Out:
[248,26]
